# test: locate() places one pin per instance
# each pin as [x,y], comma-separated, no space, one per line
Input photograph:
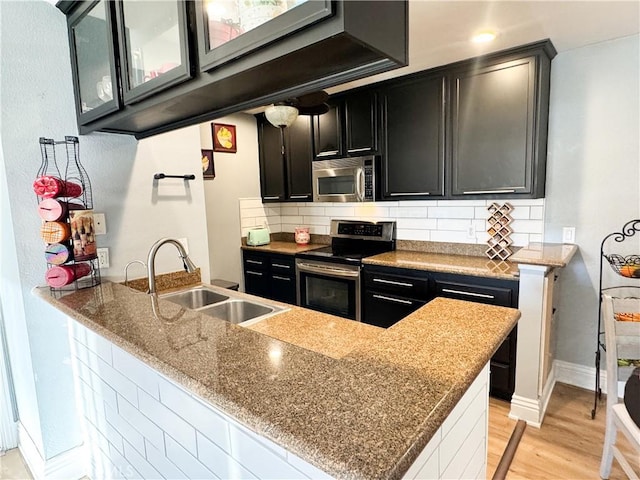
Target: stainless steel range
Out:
[328,279]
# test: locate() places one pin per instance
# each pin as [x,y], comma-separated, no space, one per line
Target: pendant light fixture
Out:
[281,115]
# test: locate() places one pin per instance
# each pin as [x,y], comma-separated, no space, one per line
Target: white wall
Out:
[593,174]
[237,176]
[37,100]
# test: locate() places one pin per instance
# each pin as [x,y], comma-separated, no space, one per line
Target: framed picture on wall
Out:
[208,170]
[224,137]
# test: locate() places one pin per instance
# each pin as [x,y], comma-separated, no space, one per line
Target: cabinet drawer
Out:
[502,380]
[398,284]
[283,266]
[481,290]
[283,288]
[383,309]
[255,262]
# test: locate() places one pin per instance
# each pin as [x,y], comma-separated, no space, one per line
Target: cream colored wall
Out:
[237,176]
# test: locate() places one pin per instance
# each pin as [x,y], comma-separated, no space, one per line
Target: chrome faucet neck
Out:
[151,260]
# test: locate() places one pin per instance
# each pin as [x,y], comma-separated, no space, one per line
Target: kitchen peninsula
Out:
[354,402]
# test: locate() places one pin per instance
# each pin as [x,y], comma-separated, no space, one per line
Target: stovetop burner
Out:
[351,241]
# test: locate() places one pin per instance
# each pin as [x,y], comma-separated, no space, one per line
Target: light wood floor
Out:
[567,446]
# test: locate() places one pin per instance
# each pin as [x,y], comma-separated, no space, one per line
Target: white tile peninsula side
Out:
[539,266]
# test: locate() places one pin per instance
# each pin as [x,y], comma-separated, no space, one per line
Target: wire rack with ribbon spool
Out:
[65,204]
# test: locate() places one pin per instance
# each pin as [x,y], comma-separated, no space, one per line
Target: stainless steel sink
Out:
[195,298]
[239,310]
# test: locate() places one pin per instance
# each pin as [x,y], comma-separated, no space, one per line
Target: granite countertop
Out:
[547,254]
[354,400]
[439,262]
[288,248]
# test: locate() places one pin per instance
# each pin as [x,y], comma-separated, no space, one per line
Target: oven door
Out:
[338,184]
[329,287]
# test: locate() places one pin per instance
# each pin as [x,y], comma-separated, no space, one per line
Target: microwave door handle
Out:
[360,184]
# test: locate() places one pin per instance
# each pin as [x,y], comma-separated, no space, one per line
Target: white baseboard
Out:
[582,376]
[67,465]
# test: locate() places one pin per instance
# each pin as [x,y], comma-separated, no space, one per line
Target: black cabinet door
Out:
[299,153]
[154,46]
[93,62]
[272,169]
[327,132]
[413,129]
[492,135]
[361,122]
[385,309]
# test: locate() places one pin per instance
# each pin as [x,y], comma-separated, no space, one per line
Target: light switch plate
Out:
[568,234]
[99,223]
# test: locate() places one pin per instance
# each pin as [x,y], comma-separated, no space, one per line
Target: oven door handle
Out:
[329,271]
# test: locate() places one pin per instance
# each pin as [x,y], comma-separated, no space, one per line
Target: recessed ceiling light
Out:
[484,36]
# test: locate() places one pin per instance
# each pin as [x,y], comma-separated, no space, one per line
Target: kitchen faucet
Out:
[151,267]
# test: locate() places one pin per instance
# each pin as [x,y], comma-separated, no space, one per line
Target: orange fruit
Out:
[630,271]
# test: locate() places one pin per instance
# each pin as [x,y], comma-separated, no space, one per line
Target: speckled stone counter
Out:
[365,409]
[287,248]
[547,254]
[438,262]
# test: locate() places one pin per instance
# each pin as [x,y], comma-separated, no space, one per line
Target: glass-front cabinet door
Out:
[154,46]
[93,61]
[228,29]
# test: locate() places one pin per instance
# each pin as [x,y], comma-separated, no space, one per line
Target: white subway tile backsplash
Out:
[462,203]
[248,222]
[186,462]
[289,228]
[123,465]
[520,213]
[527,226]
[140,463]
[311,210]
[119,382]
[457,225]
[306,468]
[286,210]
[416,224]
[291,219]
[408,212]
[196,413]
[142,424]
[320,221]
[253,212]
[339,212]
[481,212]
[125,429]
[166,468]
[96,384]
[373,210]
[318,230]
[169,422]
[219,461]
[451,212]
[536,213]
[520,239]
[534,237]
[250,203]
[258,459]
[449,236]
[417,235]
[518,202]
[113,436]
[136,371]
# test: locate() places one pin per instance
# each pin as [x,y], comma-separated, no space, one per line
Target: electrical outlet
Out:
[99,223]
[568,234]
[471,231]
[103,257]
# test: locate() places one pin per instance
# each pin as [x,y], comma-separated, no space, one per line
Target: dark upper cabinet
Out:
[499,115]
[154,46]
[178,63]
[93,61]
[361,122]
[233,30]
[327,132]
[349,128]
[413,138]
[285,176]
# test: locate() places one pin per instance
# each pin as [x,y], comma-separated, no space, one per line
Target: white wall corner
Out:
[71,464]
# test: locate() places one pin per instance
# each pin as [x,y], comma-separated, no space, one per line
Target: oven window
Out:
[340,185]
[330,295]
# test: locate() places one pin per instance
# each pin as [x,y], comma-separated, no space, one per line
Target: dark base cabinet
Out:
[390,294]
[270,275]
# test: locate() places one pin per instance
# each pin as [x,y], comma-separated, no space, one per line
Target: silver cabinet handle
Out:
[473,192]
[409,193]
[278,277]
[363,149]
[327,153]
[276,197]
[391,299]
[281,266]
[295,197]
[390,282]
[329,271]
[258,274]
[469,294]
[256,262]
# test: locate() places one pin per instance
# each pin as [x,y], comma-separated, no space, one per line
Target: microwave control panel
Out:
[369,180]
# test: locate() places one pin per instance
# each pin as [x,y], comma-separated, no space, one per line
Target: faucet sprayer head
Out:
[189,266]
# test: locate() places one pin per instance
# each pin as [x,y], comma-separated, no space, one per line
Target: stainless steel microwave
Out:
[345,180]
